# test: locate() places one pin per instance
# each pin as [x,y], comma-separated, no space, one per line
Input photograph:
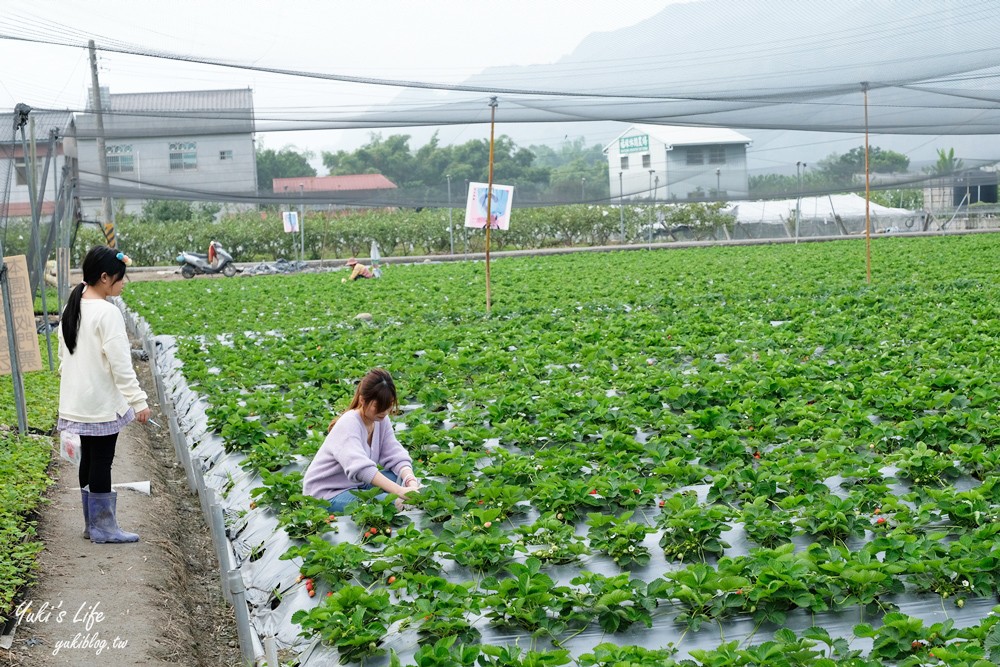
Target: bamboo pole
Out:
[489,202]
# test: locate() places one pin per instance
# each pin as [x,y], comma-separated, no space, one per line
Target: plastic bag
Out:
[69,447]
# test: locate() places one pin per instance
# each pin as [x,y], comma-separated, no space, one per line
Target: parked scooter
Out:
[216,261]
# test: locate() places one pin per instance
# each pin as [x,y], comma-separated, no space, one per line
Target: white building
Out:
[670,163]
[188,145]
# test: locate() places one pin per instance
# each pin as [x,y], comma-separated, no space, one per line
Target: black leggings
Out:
[97,452]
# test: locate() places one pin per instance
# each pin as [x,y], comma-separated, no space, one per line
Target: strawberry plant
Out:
[443,653]
[304,516]
[619,537]
[556,541]
[437,501]
[530,600]
[410,552]
[277,489]
[369,511]
[515,656]
[767,524]
[611,655]
[691,530]
[618,601]
[333,564]
[442,609]
[352,620]
[832,519]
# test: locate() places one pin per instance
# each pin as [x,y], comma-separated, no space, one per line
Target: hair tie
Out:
[124,259]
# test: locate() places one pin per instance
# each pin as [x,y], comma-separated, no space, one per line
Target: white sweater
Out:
[98,383]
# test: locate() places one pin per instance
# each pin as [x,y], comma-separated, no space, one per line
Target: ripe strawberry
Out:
[392,579]
[312,593]
[756,455]
[880,520]
[662,503]
[593,492]
[878,511]
[331,518]
[329,594]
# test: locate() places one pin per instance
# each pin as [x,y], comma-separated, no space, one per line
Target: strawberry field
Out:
[715,456]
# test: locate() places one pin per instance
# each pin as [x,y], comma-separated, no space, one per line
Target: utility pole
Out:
[102,150]
[583,188]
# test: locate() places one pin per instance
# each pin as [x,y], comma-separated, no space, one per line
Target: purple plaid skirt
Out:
[96,428]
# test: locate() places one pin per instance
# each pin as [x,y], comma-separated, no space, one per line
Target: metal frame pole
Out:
[451,228]
[621,206]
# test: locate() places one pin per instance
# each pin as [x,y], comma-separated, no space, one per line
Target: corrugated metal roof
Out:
[44,121]
[678,135]
[235,99]
[351,182]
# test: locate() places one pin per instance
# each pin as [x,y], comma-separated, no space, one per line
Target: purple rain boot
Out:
[103,522]
[85,493]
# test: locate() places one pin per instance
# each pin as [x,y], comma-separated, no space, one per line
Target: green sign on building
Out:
[636,144]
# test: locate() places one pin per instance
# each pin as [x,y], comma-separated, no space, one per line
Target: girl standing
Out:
[99,392]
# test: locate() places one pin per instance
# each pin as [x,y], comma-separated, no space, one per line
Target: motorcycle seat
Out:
[199,255]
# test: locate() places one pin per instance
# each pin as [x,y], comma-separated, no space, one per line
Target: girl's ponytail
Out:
[70,321]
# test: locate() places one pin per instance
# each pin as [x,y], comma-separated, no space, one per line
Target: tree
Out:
[946,163]
[843,168]
[286,163]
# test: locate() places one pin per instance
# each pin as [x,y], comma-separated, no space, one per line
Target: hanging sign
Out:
[290,220]
[23,314]
[475,209]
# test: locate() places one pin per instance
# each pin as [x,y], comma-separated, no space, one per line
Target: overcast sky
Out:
[441,41]
[425,40]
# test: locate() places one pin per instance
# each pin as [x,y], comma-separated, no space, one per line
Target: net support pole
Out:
[489,202]
[868,195]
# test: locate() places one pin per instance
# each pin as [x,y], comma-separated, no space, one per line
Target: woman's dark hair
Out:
[100,260]
[376,387]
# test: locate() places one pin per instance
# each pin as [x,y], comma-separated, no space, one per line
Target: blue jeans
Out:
[340,501]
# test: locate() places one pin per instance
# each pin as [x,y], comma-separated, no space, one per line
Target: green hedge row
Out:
[258,235]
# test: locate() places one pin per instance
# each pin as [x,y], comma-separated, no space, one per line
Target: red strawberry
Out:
[593,492]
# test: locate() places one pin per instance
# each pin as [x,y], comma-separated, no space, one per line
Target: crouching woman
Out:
[361,450]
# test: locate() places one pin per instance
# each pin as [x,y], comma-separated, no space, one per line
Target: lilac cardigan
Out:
[345,462]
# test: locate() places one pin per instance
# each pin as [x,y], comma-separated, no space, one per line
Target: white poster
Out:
[291,220]
[475,209]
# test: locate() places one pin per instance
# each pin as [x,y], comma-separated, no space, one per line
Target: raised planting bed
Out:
[633,454]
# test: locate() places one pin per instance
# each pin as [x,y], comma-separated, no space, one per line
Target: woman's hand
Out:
[143,415]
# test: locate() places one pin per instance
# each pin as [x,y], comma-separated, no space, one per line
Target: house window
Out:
[717,155]
[695,156]
[119,159]
[183,155]
[645,162]
[21,169]
[624,161]
[225,155]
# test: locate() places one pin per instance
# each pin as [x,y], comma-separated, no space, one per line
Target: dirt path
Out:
[156,602]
